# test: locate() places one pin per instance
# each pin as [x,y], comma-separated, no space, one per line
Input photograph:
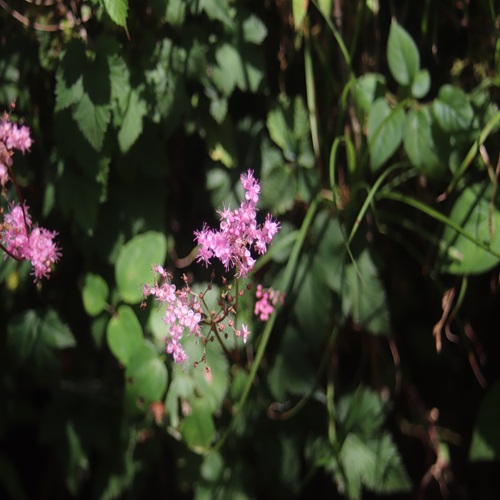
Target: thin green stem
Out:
[437,216]
[488,128]
[371,194]
[285,286]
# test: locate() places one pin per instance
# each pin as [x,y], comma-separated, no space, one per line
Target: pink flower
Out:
[268,298]
[4,175]
[37,246]
[13,136]
[243,332]
[238,232]
[183,312]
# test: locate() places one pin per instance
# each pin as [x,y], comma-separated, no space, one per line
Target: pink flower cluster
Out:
[268,298]
[232,244]
[18,237]
[36,246]
[12,137]
[238,233]
[183,311]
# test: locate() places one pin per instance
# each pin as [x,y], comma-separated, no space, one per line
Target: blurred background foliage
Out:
[373,126]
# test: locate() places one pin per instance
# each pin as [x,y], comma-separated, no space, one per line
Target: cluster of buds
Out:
[238,235]
[19,237]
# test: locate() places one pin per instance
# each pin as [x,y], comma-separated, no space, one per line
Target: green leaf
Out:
[254,30]
[197,385]
[402,55]
[131,127]
[471,211]
[288,125]
[198,429]
[117,11]
[217,9]
[385,132]
[364,297]
[124,334]
[313,304]
[389,476]
[421,84]
[94,294]
[279,188]
[358,461]
[452,109]
[34,337]
[367,89]
[69,75]
[361,413]
[421,141]
[133,265]
[291,373]
[485,445]
[374,463]
[238,65]
[299,10]
[92,120]
[146,376]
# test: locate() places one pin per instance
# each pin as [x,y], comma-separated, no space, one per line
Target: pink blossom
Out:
[183,312]
[243,332]
[13,136]
[4,175]
[268,298]
[238,232]
[37,246]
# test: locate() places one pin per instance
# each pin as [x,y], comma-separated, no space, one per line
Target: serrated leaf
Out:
[291,372]
[124,334]
[35,336]
[471,211]
[92,120]
[364,297]
[373,463]
[402,55]
[452,109]
[279,188]
[288,125]
[239,65]
[385,132]
[133,265]
[132,126]
[94,294]
[69,75]
[117,11]
[361,413]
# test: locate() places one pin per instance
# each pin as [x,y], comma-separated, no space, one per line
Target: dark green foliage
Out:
[375,137]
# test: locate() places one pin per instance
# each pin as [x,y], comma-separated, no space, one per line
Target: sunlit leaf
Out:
[385,132]
[402,55]
[117,11]
[474,212]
